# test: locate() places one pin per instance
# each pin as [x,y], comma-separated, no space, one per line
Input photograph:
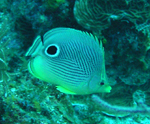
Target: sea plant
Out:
[4,76]
[52,5]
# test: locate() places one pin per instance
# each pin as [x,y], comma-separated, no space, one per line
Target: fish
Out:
[71,59]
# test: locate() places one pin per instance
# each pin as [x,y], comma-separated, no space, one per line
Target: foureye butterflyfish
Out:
[71,59]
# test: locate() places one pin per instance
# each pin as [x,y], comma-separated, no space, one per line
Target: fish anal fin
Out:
[63,90]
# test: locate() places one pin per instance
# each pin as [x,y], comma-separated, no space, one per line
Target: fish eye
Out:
[102,83]
[52,50]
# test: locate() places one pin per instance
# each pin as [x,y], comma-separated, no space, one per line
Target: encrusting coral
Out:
[120,111]
[96,15]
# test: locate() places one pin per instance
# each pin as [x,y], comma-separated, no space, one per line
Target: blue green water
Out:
[123,26]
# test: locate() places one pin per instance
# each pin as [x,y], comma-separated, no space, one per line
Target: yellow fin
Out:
[63,90]
[108,89]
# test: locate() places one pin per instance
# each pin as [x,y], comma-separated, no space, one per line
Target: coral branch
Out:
[117,110]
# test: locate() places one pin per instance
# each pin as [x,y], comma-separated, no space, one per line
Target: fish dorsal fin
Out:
[59,30]
[37,44]
[92,36]
[35,47]
[95,39]
[54,31]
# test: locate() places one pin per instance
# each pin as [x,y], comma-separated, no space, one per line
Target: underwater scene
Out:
[74,61]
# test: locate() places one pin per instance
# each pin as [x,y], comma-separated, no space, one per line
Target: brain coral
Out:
[96,15]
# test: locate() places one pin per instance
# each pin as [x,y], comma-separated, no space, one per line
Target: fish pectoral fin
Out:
[63,90]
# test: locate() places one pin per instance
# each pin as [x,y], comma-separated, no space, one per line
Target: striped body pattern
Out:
[71,59]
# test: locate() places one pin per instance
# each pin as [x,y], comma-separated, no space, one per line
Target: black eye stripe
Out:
[42,39]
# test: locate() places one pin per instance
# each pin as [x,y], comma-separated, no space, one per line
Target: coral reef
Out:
[52,5]
[126,50]
[124,29]
[97,15]
[120,111]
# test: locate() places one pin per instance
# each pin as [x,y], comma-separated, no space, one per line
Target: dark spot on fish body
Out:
[102,83]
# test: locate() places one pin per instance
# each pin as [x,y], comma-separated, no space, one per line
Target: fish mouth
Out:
[30,67]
